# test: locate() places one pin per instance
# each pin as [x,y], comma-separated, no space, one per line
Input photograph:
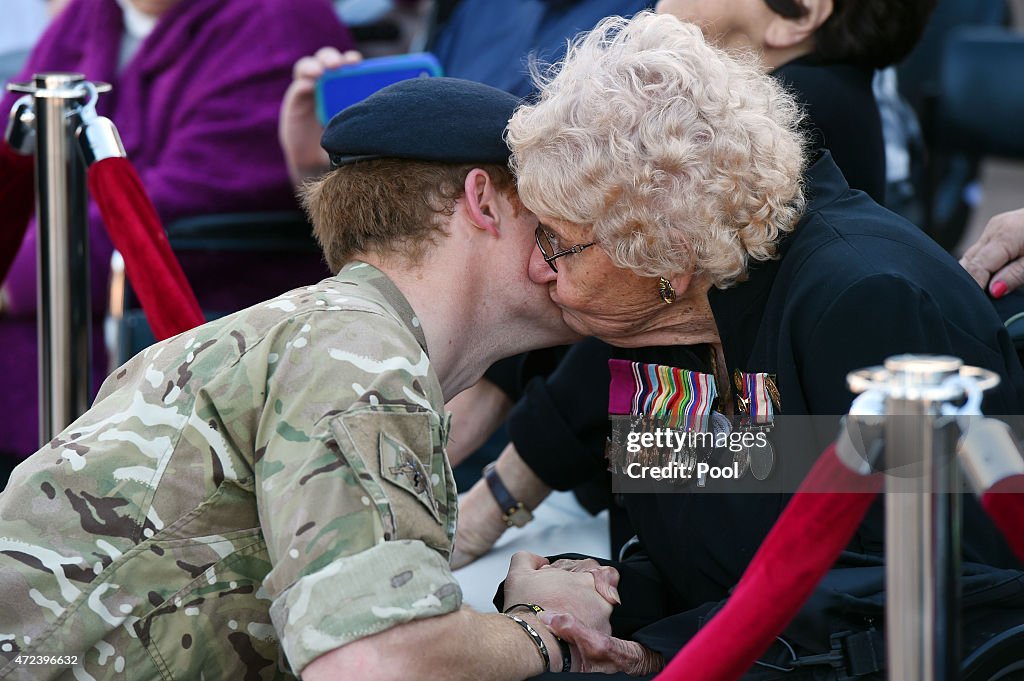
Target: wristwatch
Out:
[513,512]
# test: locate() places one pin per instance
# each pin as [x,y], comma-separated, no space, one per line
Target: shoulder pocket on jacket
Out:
[397,448]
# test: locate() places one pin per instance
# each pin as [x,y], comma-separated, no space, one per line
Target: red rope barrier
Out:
[776,584]
[1004,503]
[17,201]
[135,230]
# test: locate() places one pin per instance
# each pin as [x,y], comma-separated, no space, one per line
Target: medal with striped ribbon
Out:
[682,399]
[758,396]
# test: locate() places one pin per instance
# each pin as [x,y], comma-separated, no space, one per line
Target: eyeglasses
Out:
[548,245]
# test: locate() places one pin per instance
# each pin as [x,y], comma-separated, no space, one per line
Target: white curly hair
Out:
[680,157]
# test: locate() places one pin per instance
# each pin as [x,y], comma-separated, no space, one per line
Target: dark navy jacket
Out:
[854,285]
[841,115]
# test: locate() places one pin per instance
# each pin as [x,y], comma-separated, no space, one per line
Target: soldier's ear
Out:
[481,201]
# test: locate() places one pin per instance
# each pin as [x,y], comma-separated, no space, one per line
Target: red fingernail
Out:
[998,289]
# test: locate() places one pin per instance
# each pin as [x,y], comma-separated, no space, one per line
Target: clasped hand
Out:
[583,588]
[578,597]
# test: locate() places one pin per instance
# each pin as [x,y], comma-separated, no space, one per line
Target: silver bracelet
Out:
[541,646]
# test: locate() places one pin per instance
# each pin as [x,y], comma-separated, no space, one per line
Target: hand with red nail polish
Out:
[996,260]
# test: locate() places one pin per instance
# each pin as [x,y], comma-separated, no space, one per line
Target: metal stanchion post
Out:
[63,295]
[63,249]
[922,509]
[921,525]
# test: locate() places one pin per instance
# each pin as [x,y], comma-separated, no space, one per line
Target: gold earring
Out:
[665,290]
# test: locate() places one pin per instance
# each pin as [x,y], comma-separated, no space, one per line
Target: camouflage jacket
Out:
[271,482]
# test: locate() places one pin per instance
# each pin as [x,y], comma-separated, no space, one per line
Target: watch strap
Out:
[514,511]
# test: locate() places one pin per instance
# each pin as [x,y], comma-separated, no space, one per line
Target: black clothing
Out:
[565,446]
[851,266]
[854,284]
[842,117]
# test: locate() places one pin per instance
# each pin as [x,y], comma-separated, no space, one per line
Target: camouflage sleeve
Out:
[356,498]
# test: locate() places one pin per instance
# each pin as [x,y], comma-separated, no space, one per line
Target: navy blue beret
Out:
[428,119]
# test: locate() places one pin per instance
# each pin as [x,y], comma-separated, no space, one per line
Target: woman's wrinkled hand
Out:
[606,579]
[480,525]
[597,651]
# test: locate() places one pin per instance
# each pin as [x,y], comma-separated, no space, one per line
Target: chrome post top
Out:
[57,85]
[921,377]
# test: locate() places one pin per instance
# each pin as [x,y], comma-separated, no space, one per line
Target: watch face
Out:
[518,517]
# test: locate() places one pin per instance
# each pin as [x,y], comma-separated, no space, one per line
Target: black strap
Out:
[506,501]
[853,655]
[864,653]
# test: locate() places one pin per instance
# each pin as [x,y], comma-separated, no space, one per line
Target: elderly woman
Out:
[680,217]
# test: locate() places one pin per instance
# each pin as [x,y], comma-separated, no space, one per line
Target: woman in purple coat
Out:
[197,88]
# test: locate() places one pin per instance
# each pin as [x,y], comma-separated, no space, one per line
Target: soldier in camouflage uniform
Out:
[270,487]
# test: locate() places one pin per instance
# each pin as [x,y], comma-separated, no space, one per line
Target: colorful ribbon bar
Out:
[682,398]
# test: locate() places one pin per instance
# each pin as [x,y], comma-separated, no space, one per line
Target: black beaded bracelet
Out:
[566,655]
[541,646]
[562,645]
